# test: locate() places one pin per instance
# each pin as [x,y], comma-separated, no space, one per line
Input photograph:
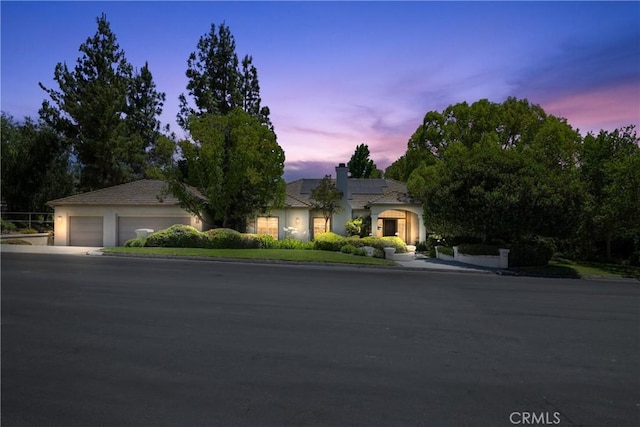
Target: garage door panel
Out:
[127,225]
[86,231]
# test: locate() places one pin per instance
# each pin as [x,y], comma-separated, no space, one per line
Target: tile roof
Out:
[362,192]
[143,192]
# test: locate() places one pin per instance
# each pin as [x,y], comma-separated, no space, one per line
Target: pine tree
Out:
[106,111]
[217,83]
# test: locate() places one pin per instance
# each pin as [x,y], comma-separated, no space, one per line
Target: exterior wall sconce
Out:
[297,221]
[59,218]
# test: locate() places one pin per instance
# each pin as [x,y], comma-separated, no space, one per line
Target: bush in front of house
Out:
[348,249]
[478,249]
[385,242]
[226,238]
[355,241]
[445,250]
[7,226]
[177,236]
[329,241]
[290,243]
[136,242]
[28,231]
[353,250]
[259,241]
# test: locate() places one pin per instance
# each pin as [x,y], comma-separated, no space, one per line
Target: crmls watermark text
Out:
[533,418]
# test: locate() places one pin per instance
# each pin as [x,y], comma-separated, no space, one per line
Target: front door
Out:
[390,227]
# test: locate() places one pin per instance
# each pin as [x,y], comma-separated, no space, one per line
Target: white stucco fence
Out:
[491,261]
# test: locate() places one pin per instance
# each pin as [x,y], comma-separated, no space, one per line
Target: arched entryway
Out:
[405,223]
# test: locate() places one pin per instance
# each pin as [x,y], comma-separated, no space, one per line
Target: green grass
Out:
[569,268]
[257,254]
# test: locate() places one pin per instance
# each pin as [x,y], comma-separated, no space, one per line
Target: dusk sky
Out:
[338,74]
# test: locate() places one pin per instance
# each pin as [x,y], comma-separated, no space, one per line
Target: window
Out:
[268,225]
[318,226]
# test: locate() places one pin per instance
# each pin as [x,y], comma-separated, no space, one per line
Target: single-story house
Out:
[393,212]
[110,216]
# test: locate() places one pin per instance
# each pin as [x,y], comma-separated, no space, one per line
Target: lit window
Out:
[268,225]
[318,226]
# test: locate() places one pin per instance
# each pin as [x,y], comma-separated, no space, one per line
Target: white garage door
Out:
[85,231]
[127,225]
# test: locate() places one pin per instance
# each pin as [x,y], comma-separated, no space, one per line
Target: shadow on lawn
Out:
[564,271]
[567,268]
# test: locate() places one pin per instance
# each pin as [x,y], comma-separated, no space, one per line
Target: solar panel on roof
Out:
[367,186]
[308,185]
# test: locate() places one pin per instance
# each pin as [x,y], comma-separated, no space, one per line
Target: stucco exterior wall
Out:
[110,216]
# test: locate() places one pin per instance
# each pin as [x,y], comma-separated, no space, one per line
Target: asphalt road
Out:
[104,341]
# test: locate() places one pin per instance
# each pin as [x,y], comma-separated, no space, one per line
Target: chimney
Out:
[342,175]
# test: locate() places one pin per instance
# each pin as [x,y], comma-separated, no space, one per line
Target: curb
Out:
[396,267]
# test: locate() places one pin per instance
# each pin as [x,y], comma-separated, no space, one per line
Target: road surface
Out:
[134,342]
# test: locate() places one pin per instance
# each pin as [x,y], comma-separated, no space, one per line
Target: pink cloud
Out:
[606,108]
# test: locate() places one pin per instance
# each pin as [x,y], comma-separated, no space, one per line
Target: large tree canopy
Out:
[35,165]
[361,166]
[107,111]
[610,170]
[503,171]
[232,156]
[237,165]
[218,82]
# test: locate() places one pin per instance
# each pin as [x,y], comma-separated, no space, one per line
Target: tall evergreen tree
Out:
[217,83]
[105,110]
[361,166]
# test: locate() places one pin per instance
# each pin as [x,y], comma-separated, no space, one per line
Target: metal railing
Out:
[41,220]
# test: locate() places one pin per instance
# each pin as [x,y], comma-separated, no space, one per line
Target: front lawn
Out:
[568,268]
[256,254]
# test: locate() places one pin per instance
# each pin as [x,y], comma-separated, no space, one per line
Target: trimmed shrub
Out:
[459,240]
[348,249]
[293,244]
[446,250]
[355,241]
[14,242]
[136,242]
[7,226]
[226,238]
[478,249]
[28,231]
[360,252]
[177,236]
[422,247]
[329,241]
[260,241]
[529,254]
[385,242]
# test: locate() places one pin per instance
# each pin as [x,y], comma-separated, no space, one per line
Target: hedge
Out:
[529,254]
[385,242]
[177,236]
[445,250]
[478,249]
[329,241]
